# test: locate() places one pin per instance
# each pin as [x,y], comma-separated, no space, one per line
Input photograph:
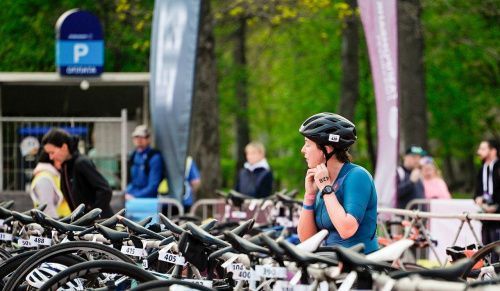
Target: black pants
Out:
[491,233]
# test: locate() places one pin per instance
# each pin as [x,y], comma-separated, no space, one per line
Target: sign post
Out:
[79,44]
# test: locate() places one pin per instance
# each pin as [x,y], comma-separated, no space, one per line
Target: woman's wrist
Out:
[309,199]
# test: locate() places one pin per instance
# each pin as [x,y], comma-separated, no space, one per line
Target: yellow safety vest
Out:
[62,208]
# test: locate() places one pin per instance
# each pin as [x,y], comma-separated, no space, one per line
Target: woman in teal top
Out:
[340,196]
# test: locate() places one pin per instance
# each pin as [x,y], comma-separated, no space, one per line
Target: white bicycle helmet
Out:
[42,274]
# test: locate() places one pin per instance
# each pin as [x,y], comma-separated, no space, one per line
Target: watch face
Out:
[327,190]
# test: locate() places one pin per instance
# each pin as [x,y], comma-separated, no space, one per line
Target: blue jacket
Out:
[144,181]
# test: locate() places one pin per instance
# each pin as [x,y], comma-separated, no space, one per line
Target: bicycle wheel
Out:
[4,255]
[66,248]
[92,268]
[160,285]
[483,254]
[9,266]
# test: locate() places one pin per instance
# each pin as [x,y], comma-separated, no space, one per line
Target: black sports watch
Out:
[326,190]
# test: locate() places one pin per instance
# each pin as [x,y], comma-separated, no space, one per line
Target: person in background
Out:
[46,188]
[255,178]
[434,185]
[487,194]
[409,177]
[81,182]
[146,168]
[192,183]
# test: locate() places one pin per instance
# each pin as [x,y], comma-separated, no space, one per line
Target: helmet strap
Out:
[327,155]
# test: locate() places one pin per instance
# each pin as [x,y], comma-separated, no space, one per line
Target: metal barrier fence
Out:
[417,216]
[102,139]
[223,211]
[172,206]
[206,208]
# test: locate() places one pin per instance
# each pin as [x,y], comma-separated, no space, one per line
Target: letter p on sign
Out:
[79,50]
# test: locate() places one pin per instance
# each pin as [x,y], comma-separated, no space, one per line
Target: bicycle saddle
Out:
[5,213]
[63,227]
[451,273]
[238,198]
[23,218]
[145,221]
[204,236]
[7,204]
[111,234]
[276,250]
[242,245]
[244,228]
[170,225]
[312,244]
[77,213]
[139,229]
[352,259]
[113,220]
[391,252]
[89,218]
[304,258]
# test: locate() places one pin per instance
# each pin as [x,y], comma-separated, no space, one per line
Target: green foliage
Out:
[27,30]
[294,67]
[462,58]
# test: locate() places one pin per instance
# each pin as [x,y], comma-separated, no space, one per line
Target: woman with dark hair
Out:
[81,182]
[340,196]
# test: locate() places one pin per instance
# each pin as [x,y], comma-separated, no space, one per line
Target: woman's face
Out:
[428,171]
[57,154]
[313,155]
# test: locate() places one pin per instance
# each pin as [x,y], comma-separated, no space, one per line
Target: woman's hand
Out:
[310,185]
[322,177]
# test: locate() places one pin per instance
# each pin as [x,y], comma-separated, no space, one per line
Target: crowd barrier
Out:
[418,219]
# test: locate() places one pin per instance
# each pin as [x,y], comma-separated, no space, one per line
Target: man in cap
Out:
[146,167]
[409,179]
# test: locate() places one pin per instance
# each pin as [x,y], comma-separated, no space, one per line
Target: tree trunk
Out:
[242,129]
[413,113]
[204,135]
[349,87]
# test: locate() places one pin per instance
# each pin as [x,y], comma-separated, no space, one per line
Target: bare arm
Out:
[307,226]
[345,223]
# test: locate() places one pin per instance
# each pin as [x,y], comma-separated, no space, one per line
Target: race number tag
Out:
[26,243]
[206,283]
[245,275]
[165,256]
[5,236]
[42,241]
[270,272]
[235,267]
[132,251]
[239,214]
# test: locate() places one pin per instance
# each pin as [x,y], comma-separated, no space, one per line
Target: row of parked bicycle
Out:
[83,252]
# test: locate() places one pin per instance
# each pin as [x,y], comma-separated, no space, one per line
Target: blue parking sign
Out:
[79,44]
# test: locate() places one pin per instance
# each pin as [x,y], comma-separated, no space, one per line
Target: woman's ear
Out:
[329,149]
